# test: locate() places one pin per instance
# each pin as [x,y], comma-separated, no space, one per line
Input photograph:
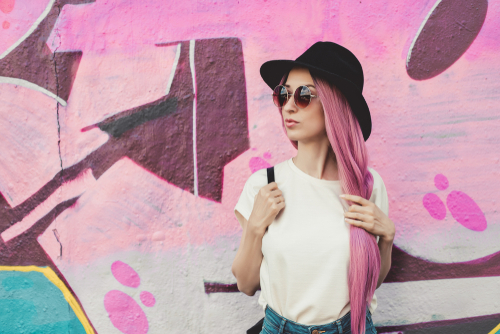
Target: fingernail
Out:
[342,195]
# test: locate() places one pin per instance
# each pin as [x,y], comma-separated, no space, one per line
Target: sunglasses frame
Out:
[294,100]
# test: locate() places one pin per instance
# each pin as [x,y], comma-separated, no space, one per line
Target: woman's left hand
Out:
[369,217]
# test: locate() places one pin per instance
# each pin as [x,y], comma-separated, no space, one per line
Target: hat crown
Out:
[334,63]
[336,59]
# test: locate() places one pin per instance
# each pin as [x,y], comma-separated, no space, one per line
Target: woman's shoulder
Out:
[377,179]
[258,177]
[379,193]
[378,182]
[280,166]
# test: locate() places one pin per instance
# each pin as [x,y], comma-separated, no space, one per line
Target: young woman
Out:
[318,240]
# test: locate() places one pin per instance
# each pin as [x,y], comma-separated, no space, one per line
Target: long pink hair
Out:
[346,139]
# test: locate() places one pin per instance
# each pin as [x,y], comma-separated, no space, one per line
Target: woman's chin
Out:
[298,134]
[294,138]
[304,139]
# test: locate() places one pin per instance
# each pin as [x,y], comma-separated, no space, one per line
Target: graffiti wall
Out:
[128,129]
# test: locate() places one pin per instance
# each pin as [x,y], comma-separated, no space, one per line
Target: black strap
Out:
[257,328]
[270,174]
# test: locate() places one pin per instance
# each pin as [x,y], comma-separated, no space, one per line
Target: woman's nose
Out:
[290,105]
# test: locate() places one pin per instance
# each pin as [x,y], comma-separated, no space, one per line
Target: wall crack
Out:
[58,38]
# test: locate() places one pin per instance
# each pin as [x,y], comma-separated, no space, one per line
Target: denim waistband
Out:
[276,323]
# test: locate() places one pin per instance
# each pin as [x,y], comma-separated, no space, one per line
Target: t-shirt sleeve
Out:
[379,194]
[252,186]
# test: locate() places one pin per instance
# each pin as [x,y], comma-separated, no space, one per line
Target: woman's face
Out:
[310,124]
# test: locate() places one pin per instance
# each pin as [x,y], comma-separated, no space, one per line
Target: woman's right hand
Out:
[267,204]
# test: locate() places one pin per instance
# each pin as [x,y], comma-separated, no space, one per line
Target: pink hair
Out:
[346,139]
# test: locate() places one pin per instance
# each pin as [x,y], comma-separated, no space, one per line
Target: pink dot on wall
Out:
[148,299]
[7,6]
[435,206]
[267,155]
[125,314]
[257,163]
[5,25]
[441,182]
[466,211]
[125,274]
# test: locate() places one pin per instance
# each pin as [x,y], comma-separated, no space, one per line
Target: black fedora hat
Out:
[334,63]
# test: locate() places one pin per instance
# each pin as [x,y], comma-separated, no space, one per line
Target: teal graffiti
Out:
[30,303]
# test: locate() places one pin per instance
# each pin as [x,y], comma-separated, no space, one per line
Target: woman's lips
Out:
[289,123]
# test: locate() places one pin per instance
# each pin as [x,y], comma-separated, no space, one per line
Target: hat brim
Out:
[272,72]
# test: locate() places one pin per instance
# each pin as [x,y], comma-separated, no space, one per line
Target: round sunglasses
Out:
[302,96]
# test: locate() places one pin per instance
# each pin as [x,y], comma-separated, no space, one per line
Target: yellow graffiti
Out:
[51,276]
[495,330]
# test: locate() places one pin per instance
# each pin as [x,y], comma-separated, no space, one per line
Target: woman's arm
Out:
[385,247]
[246,264]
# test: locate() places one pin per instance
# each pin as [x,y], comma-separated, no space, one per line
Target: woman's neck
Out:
[317,159]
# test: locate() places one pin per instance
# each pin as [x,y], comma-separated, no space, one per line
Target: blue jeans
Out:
[276,324]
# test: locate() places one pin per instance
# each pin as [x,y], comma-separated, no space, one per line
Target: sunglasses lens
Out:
[280,96]
[302,96]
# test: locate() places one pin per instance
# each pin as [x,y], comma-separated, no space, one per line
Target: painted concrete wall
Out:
[128,129]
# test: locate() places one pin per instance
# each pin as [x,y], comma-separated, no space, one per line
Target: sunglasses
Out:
[302,96]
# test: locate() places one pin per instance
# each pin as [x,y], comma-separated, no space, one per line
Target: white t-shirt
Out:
[304,271]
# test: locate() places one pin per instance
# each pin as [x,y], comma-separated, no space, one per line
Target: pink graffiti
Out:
[434,206]
[441,182]
[125,274]
[463,208]
[257,163]
[125,313]
[147,299]
[7,6]
[466,211]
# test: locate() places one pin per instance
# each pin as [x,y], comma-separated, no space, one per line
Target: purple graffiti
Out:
[481,324]
[211,287]
[443,38]
[33,61]
[406,267]
[218,135]
[151,135]
[24,250]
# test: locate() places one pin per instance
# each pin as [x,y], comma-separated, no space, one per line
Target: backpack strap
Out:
[257,328]
[270,174]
